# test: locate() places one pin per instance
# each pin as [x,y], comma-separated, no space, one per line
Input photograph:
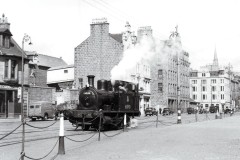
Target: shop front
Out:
[9,106]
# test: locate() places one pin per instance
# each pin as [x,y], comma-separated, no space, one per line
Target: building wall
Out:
[39,78]
[197,92]
[67,95]
[97,55]
[60,75]
[74,95]
[168,65]
[40,94]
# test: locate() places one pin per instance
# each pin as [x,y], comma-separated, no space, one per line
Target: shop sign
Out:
[19,93]
[7,87]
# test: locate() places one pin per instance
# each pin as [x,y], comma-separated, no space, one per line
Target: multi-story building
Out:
[98,54]
[213,85]
[170,75]
[141,74]
[10,72]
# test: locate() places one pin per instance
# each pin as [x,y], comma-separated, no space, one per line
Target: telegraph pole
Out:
[177,50]
[179,121]
[178,92]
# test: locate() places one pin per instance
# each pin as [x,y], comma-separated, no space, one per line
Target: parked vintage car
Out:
[228,110]
[150,111]
[190,110]
[167,111]
[42,110]
[202,110]
[212,109]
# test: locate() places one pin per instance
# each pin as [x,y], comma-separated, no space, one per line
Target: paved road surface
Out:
[209,140]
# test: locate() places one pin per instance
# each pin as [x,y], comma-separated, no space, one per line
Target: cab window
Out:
[31,107]
[37,106]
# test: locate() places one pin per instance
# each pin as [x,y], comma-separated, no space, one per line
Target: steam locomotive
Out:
[105,105]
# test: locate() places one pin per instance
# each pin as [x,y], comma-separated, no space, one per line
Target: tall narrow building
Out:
[169,71]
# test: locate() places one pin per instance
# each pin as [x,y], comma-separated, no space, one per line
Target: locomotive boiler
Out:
[105,105]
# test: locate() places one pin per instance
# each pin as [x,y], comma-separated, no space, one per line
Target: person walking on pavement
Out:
[160,110]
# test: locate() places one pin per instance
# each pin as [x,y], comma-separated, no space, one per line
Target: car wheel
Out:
[45,116]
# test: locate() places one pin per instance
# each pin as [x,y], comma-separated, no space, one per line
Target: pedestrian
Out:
[160,110]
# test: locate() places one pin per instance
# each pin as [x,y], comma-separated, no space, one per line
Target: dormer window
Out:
[5,41]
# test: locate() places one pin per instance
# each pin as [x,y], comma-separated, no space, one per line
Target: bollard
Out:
[61,148]
[130,123]
[221,115]
[216,116]
[125,122]
[196,118]
[179,121]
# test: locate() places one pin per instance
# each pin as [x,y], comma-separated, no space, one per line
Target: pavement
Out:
[208,140]
[11,120]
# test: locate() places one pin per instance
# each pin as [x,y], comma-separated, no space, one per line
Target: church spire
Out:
[215,60]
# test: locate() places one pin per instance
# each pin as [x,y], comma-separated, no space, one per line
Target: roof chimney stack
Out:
[4,22]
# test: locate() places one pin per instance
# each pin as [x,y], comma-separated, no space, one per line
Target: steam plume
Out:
[148,49]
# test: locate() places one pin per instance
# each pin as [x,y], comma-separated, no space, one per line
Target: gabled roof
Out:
[13,50]
[49,61]
[117,37]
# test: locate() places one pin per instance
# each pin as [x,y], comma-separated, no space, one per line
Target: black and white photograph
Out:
[120,80]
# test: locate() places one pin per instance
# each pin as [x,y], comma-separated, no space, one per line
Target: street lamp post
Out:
[26,38]
[179,121]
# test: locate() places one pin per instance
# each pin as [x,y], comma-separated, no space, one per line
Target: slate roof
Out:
[14,49]
[117,37]
[47,61]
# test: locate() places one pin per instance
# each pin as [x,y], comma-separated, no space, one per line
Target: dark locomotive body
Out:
[112,102]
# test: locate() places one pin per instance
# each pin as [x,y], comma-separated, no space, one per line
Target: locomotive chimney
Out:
[91,80]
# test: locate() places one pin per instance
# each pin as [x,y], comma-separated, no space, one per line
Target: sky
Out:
[56,27]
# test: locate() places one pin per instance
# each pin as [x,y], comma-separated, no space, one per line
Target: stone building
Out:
[214,85]
[98,54]
[170,71]
[10,72]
